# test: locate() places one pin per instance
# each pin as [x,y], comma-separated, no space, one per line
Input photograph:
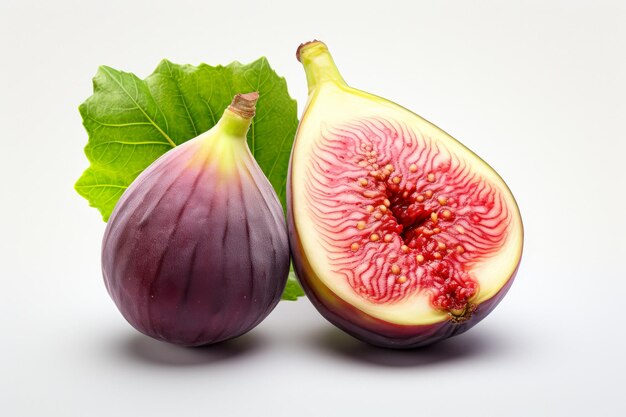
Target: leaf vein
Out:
[153,122]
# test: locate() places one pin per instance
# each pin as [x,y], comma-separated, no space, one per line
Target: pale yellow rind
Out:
[335,104]
[223,144]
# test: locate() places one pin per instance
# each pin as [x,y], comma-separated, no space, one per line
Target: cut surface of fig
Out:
[392,218]
[195,251]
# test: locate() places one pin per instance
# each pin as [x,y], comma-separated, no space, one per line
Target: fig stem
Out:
[244,104]
[318,65]
[238,116]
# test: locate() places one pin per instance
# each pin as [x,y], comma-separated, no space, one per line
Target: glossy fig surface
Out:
[196,250]
[401,236]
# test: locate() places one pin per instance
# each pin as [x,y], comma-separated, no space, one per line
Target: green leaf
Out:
[293,290]
[131,122]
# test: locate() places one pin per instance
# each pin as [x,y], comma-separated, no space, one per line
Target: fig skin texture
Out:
[400,235]
[196,250]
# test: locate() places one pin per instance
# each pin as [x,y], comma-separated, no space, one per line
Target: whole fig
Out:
[196,250]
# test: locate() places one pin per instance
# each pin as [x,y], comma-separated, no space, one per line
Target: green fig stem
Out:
[318,65]
[238,116]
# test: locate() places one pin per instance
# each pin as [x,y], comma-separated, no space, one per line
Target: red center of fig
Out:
[399,213]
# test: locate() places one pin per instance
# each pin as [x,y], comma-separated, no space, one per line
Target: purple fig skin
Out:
[193,257]
[363,326]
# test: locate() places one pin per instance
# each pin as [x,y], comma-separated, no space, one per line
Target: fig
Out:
[196,250]
[400,235]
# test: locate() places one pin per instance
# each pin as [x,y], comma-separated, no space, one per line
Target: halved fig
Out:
[401,236]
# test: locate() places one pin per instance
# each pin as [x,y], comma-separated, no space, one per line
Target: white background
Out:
[537,88]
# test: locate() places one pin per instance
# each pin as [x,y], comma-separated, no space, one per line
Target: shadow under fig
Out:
[140,347]
[474,344]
